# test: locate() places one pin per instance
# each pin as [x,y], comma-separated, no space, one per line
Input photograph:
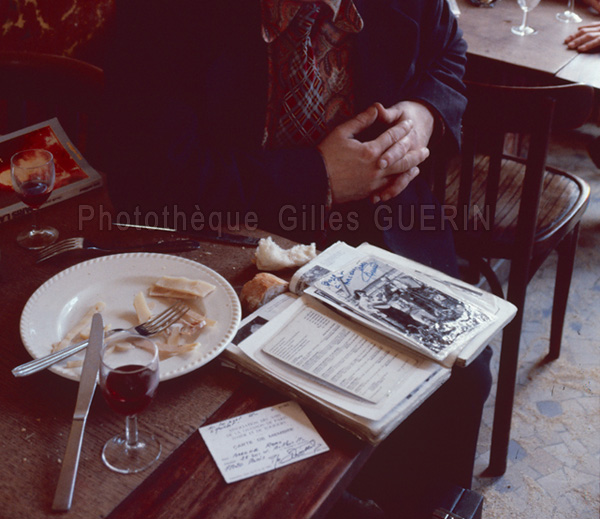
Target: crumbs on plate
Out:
[178,339]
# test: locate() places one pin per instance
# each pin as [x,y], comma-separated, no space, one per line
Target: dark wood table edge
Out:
[152,499]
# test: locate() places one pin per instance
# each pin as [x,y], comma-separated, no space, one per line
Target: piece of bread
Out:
[260,290]
[270,256]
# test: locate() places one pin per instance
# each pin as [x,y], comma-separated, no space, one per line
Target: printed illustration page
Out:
[500,311]
[404,304]
[338,362]
[332,258]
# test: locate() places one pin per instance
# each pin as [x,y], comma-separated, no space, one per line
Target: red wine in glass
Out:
[34,193]
[33,174]
[130,389]
[128,381]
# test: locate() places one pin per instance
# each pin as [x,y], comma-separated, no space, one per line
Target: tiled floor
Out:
[554,456]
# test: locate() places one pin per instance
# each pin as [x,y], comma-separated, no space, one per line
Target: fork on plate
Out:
[151,327]
[80,243]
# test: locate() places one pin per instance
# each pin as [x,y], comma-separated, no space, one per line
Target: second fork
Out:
[80,243]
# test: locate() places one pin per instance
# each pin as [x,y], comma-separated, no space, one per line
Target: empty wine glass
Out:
[32,174]
[524,29]
[128,380]
[569,16]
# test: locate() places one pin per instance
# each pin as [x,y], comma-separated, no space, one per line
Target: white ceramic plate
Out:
[57,305]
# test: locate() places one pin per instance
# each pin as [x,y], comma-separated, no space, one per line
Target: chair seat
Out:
[563,195]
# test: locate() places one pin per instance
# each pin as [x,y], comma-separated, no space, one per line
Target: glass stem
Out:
[131,431]
[571,6]
[34,219]
[524,23]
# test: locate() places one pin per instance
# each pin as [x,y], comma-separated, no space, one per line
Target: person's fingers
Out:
[393,156]
[395,185]
[358,123]
[584,42]
[394,142]
[354,167]
[576,41]
[394,136]
[586,38]
[592,44]
[387,115]
[405,161]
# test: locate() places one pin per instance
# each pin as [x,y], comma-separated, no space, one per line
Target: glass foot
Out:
[569,17]
[483,3]
[37,238]
[120,457]
[523,31]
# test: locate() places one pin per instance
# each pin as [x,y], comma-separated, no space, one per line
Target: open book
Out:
[365,336]
[74,175]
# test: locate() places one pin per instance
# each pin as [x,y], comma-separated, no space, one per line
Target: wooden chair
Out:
[36,87]
[516,208]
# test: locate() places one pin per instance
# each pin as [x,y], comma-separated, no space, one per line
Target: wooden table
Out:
[37,411]
[495,50]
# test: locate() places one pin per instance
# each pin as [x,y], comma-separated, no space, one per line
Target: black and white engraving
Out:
[407,304]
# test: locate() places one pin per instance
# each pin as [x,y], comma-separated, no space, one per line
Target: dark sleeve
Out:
[159,162]
[441,67]
[412,50]
[166,146]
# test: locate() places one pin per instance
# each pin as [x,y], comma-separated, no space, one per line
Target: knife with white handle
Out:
[206,234]
[87,385]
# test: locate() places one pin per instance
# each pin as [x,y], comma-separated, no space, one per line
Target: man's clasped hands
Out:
[380,167]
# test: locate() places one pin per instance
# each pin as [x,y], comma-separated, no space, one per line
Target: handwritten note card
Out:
[263,440]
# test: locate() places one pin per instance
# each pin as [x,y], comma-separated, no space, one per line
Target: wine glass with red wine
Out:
[128,380]
[32,174]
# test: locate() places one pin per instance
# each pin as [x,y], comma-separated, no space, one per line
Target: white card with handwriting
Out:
[263,440]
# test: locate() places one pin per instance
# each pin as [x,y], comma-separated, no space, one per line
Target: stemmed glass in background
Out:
[569,16]
[524,29]
[128,382]
[32,173]
[483,3]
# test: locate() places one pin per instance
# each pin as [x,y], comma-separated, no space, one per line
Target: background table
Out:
[37,410]
[496,53]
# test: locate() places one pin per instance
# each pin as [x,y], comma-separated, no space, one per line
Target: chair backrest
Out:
[36,87]
[495,115]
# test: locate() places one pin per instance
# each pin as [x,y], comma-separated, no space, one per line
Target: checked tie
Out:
[302,116]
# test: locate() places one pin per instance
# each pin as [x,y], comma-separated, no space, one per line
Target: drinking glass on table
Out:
[483,3]
[32,174]
[524,29]
[128,380]
[569,16]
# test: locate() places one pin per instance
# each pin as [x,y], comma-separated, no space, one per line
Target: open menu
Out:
[74,175]
[365,336]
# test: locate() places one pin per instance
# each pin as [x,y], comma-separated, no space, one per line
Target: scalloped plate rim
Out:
[30,313]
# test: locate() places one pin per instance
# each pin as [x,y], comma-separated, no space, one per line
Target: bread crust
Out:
[260,290]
